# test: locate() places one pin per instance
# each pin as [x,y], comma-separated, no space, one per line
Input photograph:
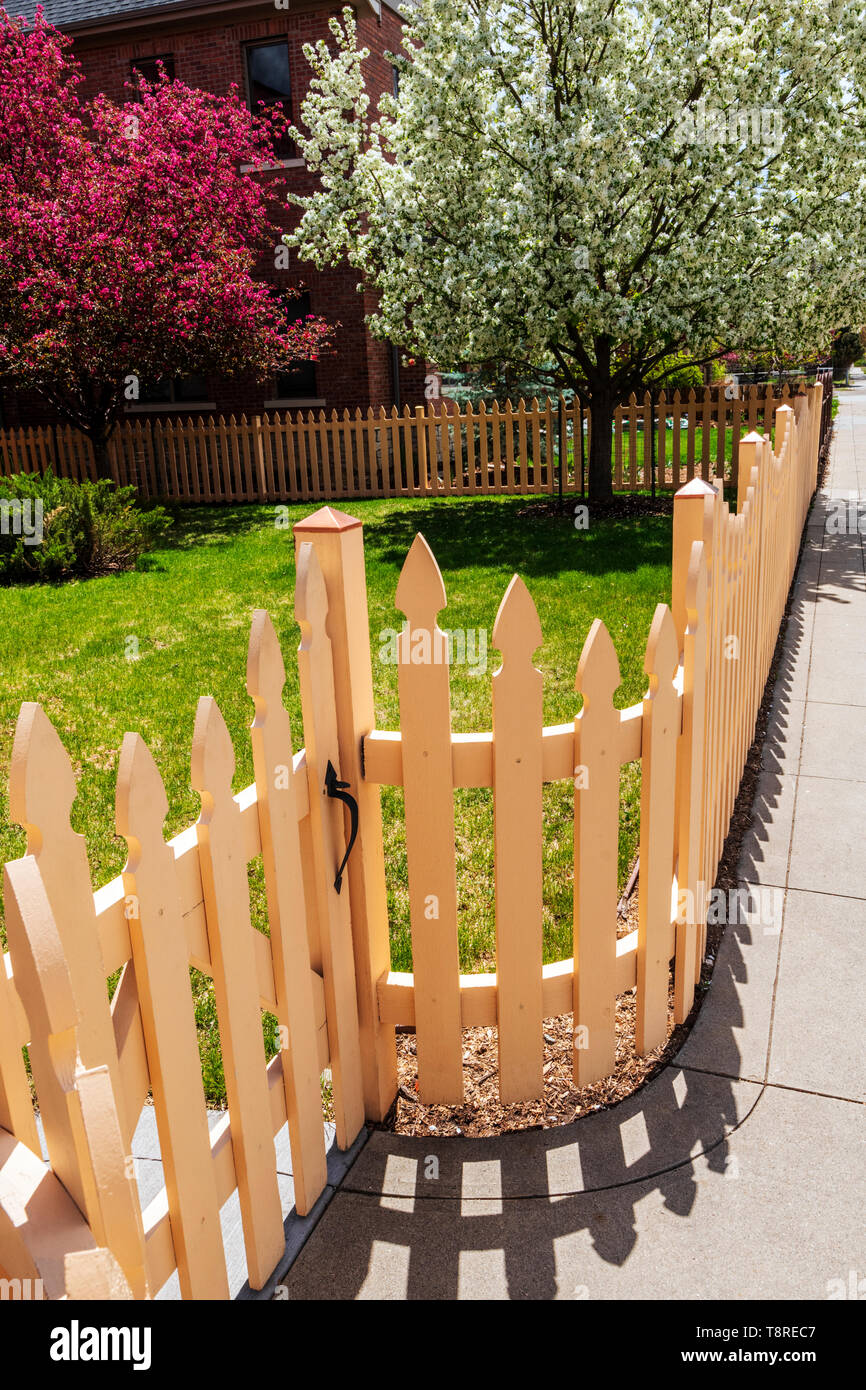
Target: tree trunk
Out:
[602,408]
[100,456]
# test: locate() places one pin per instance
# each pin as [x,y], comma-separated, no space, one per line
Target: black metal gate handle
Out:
[338,790]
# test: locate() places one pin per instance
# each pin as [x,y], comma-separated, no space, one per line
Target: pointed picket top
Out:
[662,649]
[42,785]
[212,765]
[517,629]
[266,671]
[598,669]
[311,595]
[141,804]
[753,437]
[421,588]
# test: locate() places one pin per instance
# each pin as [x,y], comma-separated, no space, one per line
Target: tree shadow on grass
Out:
[514,535]
[196,526]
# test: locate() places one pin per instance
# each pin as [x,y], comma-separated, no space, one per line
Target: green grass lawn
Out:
[190,609]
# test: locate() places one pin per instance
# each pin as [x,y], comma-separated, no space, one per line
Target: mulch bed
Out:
[481,1113]
[625,506]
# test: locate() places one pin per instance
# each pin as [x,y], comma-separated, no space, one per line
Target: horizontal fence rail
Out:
[433,451]
[323,969]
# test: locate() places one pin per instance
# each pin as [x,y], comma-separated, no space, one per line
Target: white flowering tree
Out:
[599,184]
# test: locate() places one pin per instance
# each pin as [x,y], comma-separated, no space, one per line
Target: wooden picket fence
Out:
[428,452]
[324,969]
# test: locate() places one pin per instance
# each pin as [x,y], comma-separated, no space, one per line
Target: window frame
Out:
[173,403]
[290,155]
[164,58]
[304,310]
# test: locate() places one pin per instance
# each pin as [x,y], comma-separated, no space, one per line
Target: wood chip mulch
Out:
[624,506]
[482,1114]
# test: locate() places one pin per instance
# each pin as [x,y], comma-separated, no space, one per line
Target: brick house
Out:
[211,44]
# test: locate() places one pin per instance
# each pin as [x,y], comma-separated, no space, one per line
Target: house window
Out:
[300,382]
[178,391]
[149,68]
[395,80]
[269,85]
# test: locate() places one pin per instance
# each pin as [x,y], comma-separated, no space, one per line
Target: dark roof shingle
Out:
[62,13]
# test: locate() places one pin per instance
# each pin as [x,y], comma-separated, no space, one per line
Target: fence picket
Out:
[472,479]
[660,734]
[517,787]
[161,962]
[676,444]
[227,911]
[271,738]
[425,721]
[596,839]
[42,790]
[316,670]
[16,1106]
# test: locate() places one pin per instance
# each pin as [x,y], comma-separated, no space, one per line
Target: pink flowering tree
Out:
[129,237]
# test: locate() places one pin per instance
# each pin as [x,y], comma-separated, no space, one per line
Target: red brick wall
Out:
[209,54]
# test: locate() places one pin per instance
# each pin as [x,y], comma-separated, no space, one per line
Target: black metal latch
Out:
[337,790]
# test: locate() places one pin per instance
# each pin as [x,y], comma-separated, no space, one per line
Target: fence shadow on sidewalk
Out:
[403,1234]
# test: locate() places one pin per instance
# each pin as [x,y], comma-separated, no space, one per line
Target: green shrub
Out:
[673,375]
[52,528]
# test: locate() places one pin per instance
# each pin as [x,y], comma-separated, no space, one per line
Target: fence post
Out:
[339,545]
[694,506]
[259,443]
[748,459]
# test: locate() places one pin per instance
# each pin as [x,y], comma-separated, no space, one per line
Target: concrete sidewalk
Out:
[739,1171]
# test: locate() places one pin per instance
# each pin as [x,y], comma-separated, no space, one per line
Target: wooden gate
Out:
[178,904]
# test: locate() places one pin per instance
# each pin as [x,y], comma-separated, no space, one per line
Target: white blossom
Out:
[601,186]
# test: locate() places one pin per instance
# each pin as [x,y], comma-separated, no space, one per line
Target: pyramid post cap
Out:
[696,487]
[327,519]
